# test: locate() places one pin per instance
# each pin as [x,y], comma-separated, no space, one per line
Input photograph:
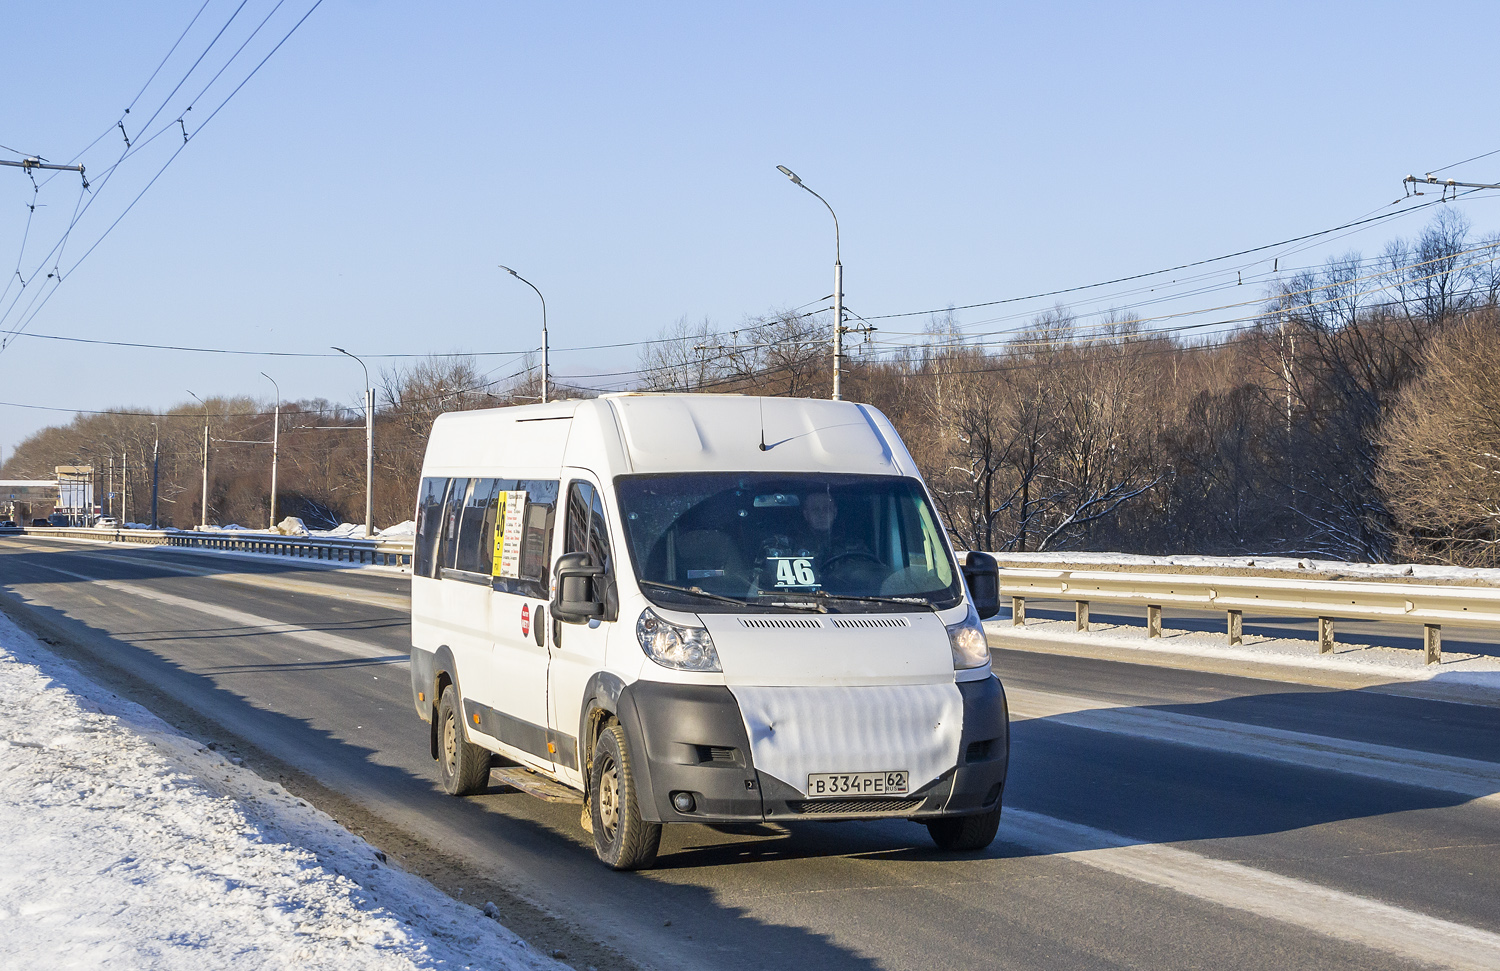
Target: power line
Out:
[1466,161]
[1170,269]
[30,314]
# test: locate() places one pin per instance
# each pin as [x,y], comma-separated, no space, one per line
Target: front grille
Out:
[870,622]
[781,623]
[827,807]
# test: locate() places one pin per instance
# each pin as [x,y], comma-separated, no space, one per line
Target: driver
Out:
[820,511]
[822,550]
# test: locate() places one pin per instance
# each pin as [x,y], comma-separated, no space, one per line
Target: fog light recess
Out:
[684,802]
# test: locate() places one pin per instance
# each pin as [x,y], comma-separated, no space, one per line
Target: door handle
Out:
[539,625]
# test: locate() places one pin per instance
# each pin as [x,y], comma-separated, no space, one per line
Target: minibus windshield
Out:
[711,541]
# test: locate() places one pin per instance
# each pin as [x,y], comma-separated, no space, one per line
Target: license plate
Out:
[824,784]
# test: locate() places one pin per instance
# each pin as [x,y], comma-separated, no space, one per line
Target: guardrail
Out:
[379,552]
[1430,605]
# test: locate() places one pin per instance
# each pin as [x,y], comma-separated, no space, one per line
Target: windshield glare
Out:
[786,538]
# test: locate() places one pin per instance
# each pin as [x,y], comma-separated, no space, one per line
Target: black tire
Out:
[622,839]
[965,834]
[464,766]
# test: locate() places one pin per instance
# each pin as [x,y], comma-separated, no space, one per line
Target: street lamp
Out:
[155,468]
[369,446]
[205,458]
[544,326]
[275,445]
[838,288]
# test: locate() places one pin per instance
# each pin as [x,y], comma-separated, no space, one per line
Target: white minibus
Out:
[722,609]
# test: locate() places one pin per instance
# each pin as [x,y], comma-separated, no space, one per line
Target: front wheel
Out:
[622,839]
[965,833]
[464,766]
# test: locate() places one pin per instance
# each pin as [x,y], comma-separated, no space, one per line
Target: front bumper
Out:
[692,738]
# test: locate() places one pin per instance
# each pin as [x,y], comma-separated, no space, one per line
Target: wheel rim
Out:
[609,800]
[450,744]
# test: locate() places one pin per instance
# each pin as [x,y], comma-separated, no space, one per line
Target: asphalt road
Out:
[1155,818]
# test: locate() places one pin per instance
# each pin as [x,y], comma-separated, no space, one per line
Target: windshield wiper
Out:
[694,591]
[864,598]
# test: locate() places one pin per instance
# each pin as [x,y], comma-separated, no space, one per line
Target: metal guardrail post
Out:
[1236,628]
[1325,635]
[1432,642]
[1153,620]
[1081,614]
[1018,611]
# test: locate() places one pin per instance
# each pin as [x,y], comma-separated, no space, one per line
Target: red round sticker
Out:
[525,619]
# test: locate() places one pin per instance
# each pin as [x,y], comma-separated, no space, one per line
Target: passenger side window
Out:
[429,526]
[536,538]
[453,505]
[528,574]
[476,536]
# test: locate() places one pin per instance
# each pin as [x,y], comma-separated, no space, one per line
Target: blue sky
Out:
[362,187]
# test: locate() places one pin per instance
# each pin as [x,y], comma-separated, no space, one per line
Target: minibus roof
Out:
[657,433]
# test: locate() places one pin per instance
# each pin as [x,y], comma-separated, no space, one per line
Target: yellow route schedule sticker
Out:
[510,522]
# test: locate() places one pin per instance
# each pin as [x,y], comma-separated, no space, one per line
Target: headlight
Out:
[674,646]
[970,649]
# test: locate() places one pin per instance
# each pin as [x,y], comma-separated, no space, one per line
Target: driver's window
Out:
[588,532]
[587,529]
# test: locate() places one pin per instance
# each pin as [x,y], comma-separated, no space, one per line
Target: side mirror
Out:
[982,574]
[576,593]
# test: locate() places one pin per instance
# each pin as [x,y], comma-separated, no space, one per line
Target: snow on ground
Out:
[129,845]
[1412,571]
[1462,670]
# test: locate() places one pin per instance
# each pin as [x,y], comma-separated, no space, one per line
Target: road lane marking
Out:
[1333,913]
[1480,781]
[388,601]
[254,623]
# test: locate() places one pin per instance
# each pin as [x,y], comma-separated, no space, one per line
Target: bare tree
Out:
[1440,461]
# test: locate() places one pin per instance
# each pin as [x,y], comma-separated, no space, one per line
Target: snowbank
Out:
[1414,571]
[408,528]
[1459,674]
[129,845]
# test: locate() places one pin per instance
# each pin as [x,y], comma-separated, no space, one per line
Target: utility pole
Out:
[275,445]
[110,485]
[369,447]
[545,372]
[155,469]
[124,487]
[838,290]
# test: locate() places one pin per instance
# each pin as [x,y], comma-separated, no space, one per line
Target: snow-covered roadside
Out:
[125,844]
[1466,673]
[1403,571]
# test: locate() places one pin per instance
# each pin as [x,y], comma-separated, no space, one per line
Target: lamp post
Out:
[275,446]
[838,288]
[369,446]
[544,326]
[205,458]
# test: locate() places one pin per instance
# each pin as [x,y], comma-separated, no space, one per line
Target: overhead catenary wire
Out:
[31,313]
[1171,269]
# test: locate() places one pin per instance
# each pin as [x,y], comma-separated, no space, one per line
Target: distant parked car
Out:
[107,522]
[41,522]
[7,524]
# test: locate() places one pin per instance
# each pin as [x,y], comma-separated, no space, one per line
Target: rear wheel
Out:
[465,767]
[622,839]
[965,833]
